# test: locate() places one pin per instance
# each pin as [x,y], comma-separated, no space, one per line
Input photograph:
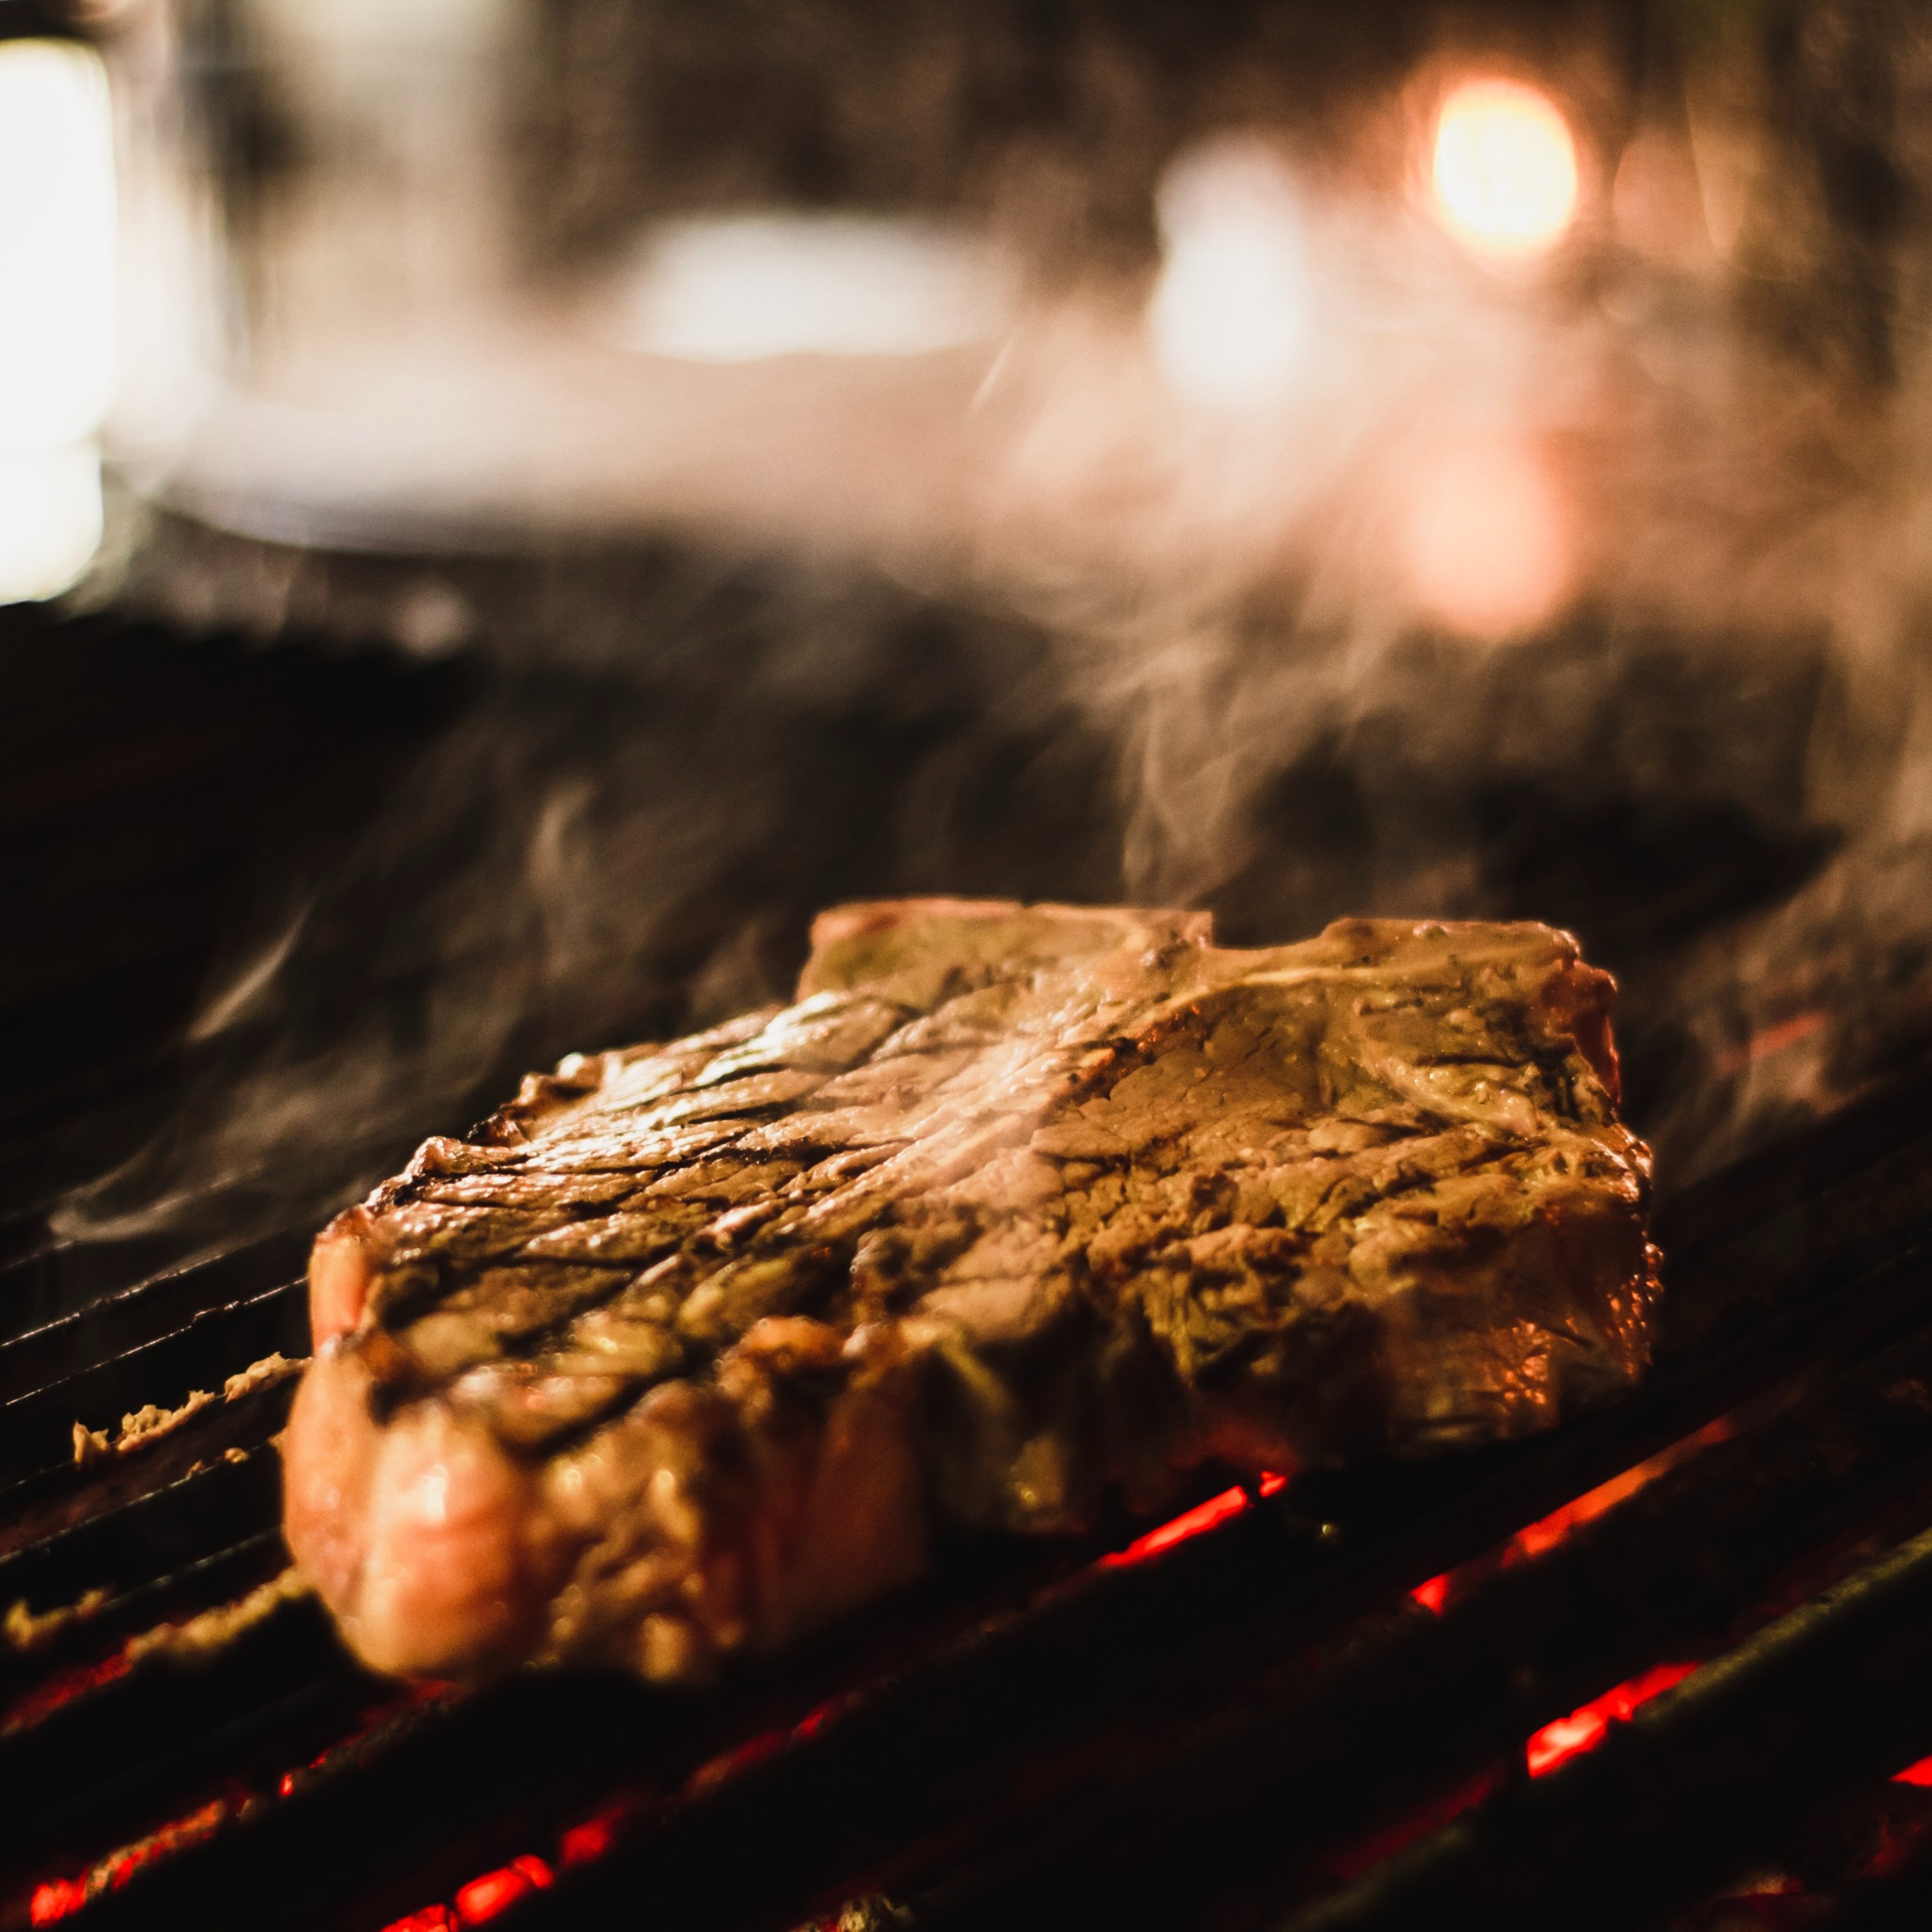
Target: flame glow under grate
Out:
[1587,1726]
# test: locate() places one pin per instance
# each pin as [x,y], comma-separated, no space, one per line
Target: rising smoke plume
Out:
[1592,591]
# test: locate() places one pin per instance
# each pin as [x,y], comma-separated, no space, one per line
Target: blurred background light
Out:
[1231,318]
[1487,538]
[49,519]
[1504,170]
[57,310]
[742,287]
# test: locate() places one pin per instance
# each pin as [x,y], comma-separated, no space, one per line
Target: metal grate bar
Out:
[1714,1775]
[37,1428]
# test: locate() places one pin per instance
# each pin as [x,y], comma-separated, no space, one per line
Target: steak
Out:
[692,1348]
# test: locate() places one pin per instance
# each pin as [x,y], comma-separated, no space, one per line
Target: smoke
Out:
[1595,593]
[588,858]
[1590,587]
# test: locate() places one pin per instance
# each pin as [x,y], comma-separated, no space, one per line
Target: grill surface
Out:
[1305,1708]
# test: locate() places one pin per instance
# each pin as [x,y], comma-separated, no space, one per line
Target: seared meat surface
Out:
[691,1347]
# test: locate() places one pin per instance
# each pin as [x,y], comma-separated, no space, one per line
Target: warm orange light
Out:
[1488,540]
[58,1898]
[1505,171]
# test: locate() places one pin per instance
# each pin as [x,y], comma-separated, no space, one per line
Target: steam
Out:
[583,861]
[515,889]
[1447,554]
[1336,565]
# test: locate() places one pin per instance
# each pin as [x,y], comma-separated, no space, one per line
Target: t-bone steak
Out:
[692,1348]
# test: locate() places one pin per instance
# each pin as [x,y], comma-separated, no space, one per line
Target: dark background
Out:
[425,878]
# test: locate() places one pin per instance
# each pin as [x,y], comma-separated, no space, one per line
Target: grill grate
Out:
[1230,1711]
[1303,1709]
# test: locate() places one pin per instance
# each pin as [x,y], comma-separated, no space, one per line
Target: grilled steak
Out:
[691,1347]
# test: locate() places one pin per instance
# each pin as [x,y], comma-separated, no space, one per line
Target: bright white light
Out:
[745,286]
[50,520]
[56,310]
[56,244]
[1505,169]
[1230,318]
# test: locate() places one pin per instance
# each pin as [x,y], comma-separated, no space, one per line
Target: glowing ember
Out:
[1919,1774]
[1366,1853]
[1204,1516]
[64,1686]
[1548,1531]
[374,1718]
[815,1719]
[1432,1594]
[1587,1726]
[496,1891]
[60,1898]
[591,1839]
[1505,169]
[739,1758]
[487,1896]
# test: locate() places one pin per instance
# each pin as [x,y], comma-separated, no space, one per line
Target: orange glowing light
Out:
[1196,1522]
[1919,1774]
[1505,171]
[1272,1482]
[64,1687]
[1589,1724]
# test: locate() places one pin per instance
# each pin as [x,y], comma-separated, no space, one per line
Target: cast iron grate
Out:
[1226,1725]
[1321,1705]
